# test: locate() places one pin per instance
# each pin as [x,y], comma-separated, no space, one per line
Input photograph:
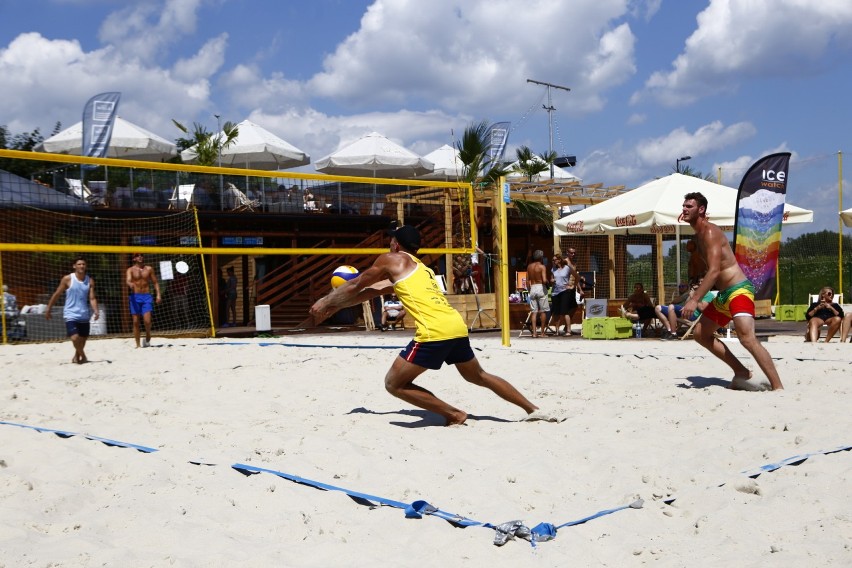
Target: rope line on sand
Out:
[415,510]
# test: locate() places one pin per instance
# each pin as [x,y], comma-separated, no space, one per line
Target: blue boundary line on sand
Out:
[416,509]
[697,355]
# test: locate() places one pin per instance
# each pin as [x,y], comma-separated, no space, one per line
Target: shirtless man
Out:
[139,278]
[734,301]
[539,306]
[441,334]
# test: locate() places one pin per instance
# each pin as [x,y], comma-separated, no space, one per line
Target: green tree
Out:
[208,145]
[530,165]
[24,142]
[688,171]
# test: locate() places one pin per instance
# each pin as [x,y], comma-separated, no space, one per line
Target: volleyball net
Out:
[282,234]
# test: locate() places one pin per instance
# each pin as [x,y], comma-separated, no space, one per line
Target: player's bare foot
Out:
[457,419]
[749,383]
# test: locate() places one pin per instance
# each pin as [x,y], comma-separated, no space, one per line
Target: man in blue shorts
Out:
[79,291]
[441,335]
[139,278]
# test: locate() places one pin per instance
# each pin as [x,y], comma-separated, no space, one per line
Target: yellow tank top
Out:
[435,319]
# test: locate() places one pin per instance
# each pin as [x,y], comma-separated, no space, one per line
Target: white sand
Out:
[646,419]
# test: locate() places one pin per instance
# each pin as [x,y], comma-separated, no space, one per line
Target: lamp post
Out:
[679,160]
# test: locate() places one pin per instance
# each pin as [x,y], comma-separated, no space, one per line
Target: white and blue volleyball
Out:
[342,275]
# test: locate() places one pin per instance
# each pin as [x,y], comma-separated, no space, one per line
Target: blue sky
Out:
[724,81]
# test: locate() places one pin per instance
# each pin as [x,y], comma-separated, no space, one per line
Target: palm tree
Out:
[687,171]
[208,146]
[530,165]
[479,170]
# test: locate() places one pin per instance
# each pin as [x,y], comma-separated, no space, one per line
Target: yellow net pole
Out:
[204,273]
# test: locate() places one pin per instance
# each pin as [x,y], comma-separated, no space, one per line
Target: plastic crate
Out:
[785,312]
[607,328]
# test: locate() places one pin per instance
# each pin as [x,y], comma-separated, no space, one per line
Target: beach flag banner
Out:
[98,119]
[497,137]
[757,230]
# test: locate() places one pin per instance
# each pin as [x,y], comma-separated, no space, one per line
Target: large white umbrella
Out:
[656,207]
[446,162]
[129,141]
[374,155]
[257,148]
[847,217]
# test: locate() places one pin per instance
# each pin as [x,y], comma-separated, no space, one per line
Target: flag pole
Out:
[839,221]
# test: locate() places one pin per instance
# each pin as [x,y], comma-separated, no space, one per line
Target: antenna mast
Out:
[549,108]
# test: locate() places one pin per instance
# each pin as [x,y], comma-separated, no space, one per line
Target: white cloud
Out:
[738,41]
[478,54]
[36,65]
[205,62]
[145,29]
[679,142]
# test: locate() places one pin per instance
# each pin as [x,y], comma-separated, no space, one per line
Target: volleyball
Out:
[343,274]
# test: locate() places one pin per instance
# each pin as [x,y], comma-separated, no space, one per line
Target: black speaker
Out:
[565,161]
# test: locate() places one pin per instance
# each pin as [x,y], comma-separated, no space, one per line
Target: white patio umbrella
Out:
[129,141]
[847,217]
[257,148]
[446,162]
[374,155]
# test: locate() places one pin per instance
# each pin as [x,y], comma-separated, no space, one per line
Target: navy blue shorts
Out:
[80,328]
[433,354]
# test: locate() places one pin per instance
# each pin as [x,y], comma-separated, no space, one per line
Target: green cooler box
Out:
[801,313]
[607,328]
[785,312]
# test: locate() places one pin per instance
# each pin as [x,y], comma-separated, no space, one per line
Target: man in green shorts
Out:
[734,301]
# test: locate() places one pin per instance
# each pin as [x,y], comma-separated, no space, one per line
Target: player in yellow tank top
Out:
[441,334]
[434,317]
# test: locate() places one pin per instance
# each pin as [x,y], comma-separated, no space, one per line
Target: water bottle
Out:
[637,330]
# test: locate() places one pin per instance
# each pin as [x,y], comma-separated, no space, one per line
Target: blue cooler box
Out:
[607,328]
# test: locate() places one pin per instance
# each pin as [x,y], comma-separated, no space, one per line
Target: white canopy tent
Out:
[847,217]
[656,207]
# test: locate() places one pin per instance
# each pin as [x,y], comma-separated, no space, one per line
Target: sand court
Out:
[645,420]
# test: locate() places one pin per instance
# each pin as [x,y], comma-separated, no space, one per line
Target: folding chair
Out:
[480,312]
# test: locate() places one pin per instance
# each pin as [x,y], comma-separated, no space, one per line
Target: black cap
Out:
[407,236]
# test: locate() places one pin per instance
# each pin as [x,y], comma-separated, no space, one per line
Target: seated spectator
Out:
[10,303]
[393,312]
[674,311]
[639,307]
[823,312]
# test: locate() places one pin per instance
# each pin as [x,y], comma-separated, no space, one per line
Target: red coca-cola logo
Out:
[576,227]
[626,221]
